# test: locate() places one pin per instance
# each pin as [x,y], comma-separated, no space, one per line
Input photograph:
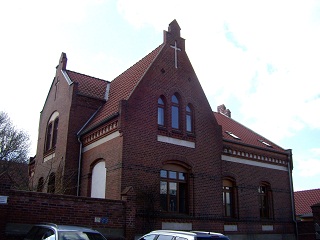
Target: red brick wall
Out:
[74,111]
[144,156]
[31,207]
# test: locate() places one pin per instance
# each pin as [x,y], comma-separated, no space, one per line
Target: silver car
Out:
[49,231]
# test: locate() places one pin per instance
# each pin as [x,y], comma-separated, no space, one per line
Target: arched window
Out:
[189,118]
[52,132]
[229,197]
[51,183]
[40,185]
[173,189]
[265,200]
[55,132]
[175,112]
[161,111]
[98,180]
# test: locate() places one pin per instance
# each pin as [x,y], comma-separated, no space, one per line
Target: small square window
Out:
[163,174]
[182,176]
[172,175]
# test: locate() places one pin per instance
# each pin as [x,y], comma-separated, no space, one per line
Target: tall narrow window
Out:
[161,111]
[52,132]
[49,137]
[189,119]
[40,185]
[173,191]
[51,183]
[55,132]
[265,200]
[229,198]
[175,112]
[98,180]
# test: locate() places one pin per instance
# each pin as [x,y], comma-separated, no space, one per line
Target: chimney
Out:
[222,109]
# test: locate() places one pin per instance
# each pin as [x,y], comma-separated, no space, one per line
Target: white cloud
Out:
[309,167]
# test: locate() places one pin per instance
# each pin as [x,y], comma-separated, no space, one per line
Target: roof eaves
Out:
[253,146]
[110,117]
[161,47]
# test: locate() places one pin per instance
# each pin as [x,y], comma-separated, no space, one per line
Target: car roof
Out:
[207,233]
[66,227]
[188,234]
[175,233]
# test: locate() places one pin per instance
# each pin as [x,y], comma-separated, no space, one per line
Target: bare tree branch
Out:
[14,150]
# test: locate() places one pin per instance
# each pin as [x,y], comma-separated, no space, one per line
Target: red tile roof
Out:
[305,199]
[246,135]
[89,86]
[123,85]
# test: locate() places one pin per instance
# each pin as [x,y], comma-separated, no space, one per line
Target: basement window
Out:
[233,135]
[265,143]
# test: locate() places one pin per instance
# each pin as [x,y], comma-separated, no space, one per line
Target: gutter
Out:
[256,147]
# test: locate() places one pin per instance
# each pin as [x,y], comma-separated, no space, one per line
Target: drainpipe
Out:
[79,166]
[80,151]
[289,151]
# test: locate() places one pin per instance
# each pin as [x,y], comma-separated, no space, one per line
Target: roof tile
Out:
[305,199]
[89,86]
[245,135]
[123,85]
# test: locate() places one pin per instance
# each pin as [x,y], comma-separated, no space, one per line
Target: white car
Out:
[182,235]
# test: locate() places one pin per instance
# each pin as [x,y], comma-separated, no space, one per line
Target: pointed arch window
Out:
[265,200]
[52,132]
[161,111]
[175,112]
[189,119]
[40,185]
[52,183]
[229,197]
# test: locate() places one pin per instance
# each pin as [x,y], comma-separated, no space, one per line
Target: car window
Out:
[48,235]
[148,237]
[181,238]
[32,233]
[165,237]
[40,233]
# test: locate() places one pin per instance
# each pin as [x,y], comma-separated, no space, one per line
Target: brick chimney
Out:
[222,109]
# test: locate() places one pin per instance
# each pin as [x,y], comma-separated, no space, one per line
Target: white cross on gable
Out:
[175,47]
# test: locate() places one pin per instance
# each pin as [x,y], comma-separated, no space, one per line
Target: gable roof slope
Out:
[122,87]
[89,86]
[246,136]
[305,199]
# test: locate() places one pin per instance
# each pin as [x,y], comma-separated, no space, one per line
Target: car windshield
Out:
[72,235]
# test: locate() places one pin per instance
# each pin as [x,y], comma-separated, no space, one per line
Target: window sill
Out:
[49,152]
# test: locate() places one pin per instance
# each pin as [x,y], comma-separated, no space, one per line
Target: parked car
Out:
[182,235]
[50,231]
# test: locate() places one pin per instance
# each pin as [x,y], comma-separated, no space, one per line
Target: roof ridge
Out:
[250,130]
[308,190]
[87,75]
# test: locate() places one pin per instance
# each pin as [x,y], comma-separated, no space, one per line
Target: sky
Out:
[259,58]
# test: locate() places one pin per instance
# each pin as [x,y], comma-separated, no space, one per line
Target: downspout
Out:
[79,166]
[80,151]
[289,151]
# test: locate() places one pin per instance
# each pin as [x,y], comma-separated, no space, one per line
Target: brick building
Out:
[152,128]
